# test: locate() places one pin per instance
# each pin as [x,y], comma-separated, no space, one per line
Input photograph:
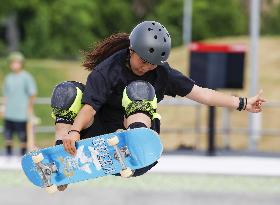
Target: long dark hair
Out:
[104,49]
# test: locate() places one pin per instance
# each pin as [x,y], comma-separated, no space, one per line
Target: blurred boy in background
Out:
[19,90]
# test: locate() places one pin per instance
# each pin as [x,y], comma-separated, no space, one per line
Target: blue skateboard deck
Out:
[96,157]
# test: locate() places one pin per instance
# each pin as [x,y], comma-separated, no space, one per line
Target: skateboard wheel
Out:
[126,173]
[37,158]
[51,189]
[113,141]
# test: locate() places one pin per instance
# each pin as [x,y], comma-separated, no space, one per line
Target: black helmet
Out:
[151,41]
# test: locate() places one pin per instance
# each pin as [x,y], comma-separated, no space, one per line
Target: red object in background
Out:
[217,48]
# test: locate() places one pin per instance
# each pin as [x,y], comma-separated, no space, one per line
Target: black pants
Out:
[12,127]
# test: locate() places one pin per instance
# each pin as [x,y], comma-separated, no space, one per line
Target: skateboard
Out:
[119,152]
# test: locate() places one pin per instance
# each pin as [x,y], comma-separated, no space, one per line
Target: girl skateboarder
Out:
[129,75]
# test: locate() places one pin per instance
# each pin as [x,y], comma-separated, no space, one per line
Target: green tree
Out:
[170,14]
[59,29]
[9,6]
[270,21]
[218,18]
[9,22]
[63,28]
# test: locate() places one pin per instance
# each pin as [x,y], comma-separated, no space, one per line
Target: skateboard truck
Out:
[124,151]
[46,171]
[126,171]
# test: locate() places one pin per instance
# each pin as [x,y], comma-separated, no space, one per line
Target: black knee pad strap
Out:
[136,125]
[64,120]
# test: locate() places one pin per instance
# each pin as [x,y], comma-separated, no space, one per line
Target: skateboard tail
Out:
[34,172]
[147,146]
[31,171]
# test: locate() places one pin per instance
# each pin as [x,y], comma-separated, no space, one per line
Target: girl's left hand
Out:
[254,104]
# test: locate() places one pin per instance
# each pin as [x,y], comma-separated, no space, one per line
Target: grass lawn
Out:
[168,182]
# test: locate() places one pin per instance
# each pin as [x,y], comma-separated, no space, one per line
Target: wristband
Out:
[73,131]
[245,104]
[241,104]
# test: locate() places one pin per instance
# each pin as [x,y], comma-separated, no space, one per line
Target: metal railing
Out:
[225,128]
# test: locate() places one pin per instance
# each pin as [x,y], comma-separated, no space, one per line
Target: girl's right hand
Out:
[69,142]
